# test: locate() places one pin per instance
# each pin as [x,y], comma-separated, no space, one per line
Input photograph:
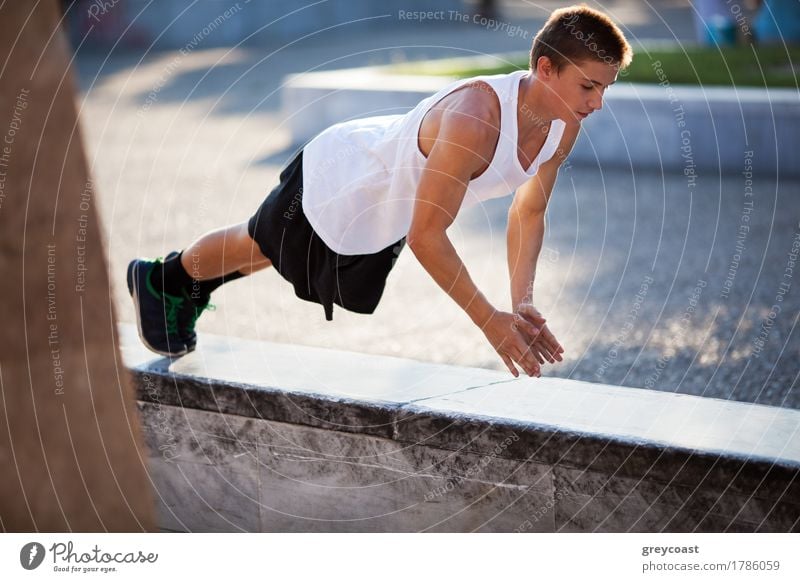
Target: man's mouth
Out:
[582,114]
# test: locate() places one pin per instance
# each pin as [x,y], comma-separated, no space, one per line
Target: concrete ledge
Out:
[673,128]
[254,436]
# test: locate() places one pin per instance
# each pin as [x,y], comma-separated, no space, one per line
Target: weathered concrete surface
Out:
[268,437]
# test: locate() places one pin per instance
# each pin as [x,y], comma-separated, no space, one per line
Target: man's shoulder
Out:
[476,99]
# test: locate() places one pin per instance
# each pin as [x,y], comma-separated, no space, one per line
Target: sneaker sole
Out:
[133,271]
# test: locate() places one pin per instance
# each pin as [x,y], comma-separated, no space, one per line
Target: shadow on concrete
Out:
[645,266]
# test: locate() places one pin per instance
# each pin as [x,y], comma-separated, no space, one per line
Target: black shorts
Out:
[318,274]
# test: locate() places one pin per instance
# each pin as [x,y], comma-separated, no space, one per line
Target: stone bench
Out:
[258,436]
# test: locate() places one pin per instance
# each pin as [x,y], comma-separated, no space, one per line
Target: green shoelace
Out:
[197,311]
[175,304]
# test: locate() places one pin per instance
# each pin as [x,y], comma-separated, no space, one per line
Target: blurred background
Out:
[646,282]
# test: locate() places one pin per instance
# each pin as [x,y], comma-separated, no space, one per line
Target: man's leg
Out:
[255,267]
[170,295]
[223,251]
[217,257]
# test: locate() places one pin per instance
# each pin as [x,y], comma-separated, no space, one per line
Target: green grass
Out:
[742,66]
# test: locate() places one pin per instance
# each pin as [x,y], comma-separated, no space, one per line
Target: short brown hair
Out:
[578,33]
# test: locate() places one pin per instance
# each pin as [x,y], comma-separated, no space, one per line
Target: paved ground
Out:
[183,144]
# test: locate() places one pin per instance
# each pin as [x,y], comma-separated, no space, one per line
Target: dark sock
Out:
[200,290]
[172,278]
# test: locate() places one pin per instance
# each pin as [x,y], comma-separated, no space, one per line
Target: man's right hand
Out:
[502,331]
[544,344]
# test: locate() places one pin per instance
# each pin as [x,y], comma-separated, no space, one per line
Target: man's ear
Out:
[545,68]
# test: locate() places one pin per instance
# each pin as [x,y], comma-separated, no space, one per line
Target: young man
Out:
[357,193]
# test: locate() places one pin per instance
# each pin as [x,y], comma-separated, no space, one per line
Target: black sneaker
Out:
[156,312]
[188,313]
[191,309]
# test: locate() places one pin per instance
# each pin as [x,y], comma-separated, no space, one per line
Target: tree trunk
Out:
[70,441]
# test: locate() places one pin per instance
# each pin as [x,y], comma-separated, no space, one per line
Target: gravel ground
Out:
[637,278]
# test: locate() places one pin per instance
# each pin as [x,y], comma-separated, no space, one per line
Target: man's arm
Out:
[526,226]
[525,231]
[459,151]
[526,220]
[464,144]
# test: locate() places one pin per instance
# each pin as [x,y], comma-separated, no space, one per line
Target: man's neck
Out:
[534,113]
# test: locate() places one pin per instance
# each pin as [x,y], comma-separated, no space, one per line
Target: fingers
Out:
[528,311]
[528,329]
[525,358]
[546,349]
[556,349]
[530,320]
[540,346]
[544,344]
[536,340]
[532,330]
[547,342]
[517,346]
[542,353]
[509,364]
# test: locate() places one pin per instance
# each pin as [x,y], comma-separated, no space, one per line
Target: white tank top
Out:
[360,177]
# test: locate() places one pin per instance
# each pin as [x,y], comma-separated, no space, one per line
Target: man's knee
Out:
[253,267]
[246,247]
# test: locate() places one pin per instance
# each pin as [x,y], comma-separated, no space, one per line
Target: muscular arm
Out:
[525,233]
[464,145]
[526,222]
[526,225]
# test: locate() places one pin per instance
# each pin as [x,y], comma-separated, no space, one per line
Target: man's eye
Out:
[589,87]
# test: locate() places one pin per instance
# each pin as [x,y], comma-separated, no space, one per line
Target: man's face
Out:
[578,89]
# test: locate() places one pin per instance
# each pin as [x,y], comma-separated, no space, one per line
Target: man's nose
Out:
[596,103]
